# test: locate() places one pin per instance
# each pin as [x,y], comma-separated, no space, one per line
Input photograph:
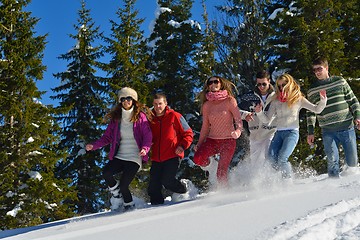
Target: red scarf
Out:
[218,95]
[282,97]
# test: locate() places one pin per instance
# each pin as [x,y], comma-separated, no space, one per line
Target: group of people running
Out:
[272,113]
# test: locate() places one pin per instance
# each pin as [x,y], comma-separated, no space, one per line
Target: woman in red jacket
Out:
[171,136]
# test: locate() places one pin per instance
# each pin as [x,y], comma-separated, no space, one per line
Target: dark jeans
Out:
[128,170]
[163,174]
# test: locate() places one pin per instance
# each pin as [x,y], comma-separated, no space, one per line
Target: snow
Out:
[274,14]
[34,153]
[310,208]
[35,175]
[81,152]
[14,212]
[174,24]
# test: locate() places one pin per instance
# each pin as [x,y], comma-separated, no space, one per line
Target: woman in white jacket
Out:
[284,111]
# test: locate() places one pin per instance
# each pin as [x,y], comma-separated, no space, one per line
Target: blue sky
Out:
[57,19]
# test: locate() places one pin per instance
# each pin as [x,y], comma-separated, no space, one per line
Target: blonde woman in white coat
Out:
[284,111]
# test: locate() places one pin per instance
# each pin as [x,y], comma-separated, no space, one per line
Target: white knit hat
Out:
[125,92]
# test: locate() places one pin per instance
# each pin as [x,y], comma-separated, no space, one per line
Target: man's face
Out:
[321,72]
[159,106]
[263,85]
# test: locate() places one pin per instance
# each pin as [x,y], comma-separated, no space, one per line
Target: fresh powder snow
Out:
[258,205]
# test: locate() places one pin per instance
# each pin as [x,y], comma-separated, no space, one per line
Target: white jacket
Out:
[260,130]
[285,118]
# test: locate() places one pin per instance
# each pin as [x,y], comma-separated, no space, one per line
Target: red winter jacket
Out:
[169,131]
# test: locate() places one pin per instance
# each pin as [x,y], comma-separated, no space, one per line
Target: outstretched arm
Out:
[315,108]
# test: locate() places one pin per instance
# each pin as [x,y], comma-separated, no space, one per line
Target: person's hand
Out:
[310,139]
[236,134]
[196,147]
[179,150]
[258,108]
[249,117]
[142,152]
[322,93]
[357,124]
[89,147]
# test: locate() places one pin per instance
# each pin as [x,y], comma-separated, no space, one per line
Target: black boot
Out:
[129,206]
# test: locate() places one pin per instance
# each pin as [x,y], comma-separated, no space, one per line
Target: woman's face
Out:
[213,84]
[281,84]
[126,102]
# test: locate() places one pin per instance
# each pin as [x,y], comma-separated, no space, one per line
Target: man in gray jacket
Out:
[260,133]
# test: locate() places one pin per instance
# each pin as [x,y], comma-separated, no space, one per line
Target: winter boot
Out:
[191,192]
[211,168]
[116,199]
[129,206]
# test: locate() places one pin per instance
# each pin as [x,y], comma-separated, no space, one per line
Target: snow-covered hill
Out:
[312,208]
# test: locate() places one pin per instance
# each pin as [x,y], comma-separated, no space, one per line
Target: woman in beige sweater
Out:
[284,111]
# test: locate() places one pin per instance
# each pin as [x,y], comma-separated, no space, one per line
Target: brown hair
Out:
[321,61]
[263,74]
[159,96]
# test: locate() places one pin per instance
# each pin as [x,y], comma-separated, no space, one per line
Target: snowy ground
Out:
[259,208]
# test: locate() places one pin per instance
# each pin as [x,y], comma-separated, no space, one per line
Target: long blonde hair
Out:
[291,89]
[225,85]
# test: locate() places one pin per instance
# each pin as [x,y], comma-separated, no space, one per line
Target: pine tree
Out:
[127,50]
[30,192]
[304,31]
[205,63]
[205,58]
[242,41]
[174,43]
[81,94]
[351,31]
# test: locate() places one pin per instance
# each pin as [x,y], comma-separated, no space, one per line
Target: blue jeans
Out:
[281,147]
[331,141]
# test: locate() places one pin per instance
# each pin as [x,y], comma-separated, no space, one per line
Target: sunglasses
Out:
[318,69]
[128,98]
[282,85]
[210,82]
[261,84]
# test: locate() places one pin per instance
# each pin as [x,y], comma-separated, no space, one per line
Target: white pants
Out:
[259,151]
[255,172]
